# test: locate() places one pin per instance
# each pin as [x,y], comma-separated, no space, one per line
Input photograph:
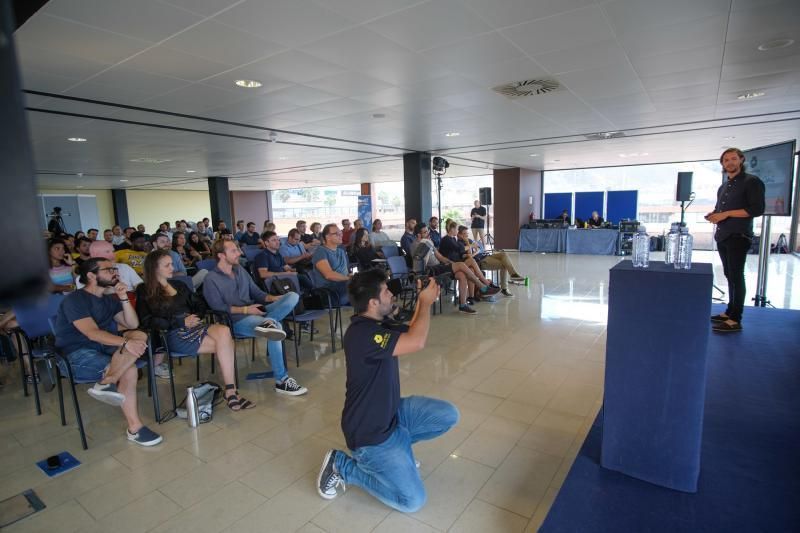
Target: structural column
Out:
[517,194]
[220,197]
[417,185]
[119,199]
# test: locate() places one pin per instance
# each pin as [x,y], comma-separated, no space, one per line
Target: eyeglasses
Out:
[110,269]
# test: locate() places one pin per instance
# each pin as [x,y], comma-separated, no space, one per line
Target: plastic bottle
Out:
[671,243]
[683,259]
[641,249]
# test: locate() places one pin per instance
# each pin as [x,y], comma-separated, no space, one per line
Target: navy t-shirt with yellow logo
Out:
[373,382]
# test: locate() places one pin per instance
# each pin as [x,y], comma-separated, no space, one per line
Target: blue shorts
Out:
[88,364]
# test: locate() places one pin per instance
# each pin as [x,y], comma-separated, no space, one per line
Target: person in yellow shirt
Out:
[135,257]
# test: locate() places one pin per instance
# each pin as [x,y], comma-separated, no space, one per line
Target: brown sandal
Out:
[236,402]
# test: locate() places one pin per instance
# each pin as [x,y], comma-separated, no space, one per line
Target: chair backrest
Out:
[206,264]
[293,278]
[32,317]
[250,252]
[397,265]
[390,250]
[186,280]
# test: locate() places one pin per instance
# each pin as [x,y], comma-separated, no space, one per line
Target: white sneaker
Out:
[162,371]
[107,394]
[271,330]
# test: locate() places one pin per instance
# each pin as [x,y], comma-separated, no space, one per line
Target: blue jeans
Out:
[276,311]
[387,470]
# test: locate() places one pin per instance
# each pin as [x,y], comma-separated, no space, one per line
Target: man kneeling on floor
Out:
[86,331]
[380,426]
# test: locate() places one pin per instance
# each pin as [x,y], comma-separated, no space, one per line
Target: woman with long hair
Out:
[362,251]
[199,245]
[188,255]
[61,265]
[171,306]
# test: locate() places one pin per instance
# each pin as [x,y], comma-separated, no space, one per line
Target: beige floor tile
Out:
[491,441]
[401,523]
[288,434]
[220,442]
[141,515]
[352,512]
[521,481]
[518,411]
[482,517]
[431,453]
[65,518]
[107,498]
[311,528]
[176,436]
[575,398]
[479,402]
[526,361]
[556,420]
[534,392]
[547,440]
[215,513]
[501,383]
[287,511]
[541,511]
[450,488]
[84,478]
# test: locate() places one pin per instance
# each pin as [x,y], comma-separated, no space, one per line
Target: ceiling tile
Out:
[430,24]
[348,84]
[121,83]
[515,12]
[343,106]
[765,20]
[194,99]
[205,8]
[54,63]
[160,60]
[568,30]
[143,19]
[69,38]
[296,67]
[583,57]
[603,82]
[475,53]
[222,43]
[627,15]
[302,96]
[648,41]
[387,97]
[760,68]
[365,10]
[288,22]
[678,62]
[691,77]
[494,74]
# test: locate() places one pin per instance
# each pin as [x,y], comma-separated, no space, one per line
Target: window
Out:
[458,195]
[314,204]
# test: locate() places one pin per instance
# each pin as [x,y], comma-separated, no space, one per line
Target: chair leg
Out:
[235,371]
[172,380]
[35,376]
[253,349]
[78,416]
[198,367]
[333,332]
[341,328]
[297,334]
[60,396]
[213,366]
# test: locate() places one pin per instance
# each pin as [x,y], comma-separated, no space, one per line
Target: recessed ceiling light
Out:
[191,171]
[284,158]
[750,96]
[150,160]
[379,115]
[248,84]
[775,44]
[76,139]
[534,155]
[452,134]
[123,180]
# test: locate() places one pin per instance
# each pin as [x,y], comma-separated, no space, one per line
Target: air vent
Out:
[605,135]
[518,89]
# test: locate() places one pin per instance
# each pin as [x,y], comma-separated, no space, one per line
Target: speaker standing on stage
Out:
[739,200]
[478,215]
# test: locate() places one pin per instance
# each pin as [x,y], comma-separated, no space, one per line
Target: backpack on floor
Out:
[780,247]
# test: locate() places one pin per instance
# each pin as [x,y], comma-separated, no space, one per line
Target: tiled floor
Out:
[526,373]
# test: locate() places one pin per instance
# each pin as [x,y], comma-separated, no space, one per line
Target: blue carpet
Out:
[750,466]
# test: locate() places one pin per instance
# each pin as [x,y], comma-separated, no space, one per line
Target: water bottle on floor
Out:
[641,249]
[671,244]
[192,409]
[683,260]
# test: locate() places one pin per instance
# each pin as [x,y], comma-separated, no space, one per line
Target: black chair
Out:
[306,317]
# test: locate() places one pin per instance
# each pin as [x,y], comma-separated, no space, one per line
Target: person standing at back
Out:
[739,200]
[478,216]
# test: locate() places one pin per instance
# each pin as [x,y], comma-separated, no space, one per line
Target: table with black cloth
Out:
[592,241]
[543,240]
[655,380]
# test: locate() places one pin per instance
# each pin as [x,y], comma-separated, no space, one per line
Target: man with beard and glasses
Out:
[97,334]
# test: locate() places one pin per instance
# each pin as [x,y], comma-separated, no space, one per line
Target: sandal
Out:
[236,402]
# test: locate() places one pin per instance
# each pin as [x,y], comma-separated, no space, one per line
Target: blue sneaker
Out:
[144,437]
[107,394]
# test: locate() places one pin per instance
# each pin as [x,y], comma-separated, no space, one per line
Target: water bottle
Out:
[683,259]
[671,244]
[192,411]
[641,249]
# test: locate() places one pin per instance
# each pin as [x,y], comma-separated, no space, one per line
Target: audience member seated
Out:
[91,234]
[207,232]
[454,250]
[117,236]
[202,234]
[408,237]
[108,236]
[362,251]
[134,257]
[309,240]
[498,260]
[595,221]
[250,237]
[357,225]
[270,262]
[347,231]
[240,230]
[164,228]
[82,245]
[220,226]
[69,245]
[229,288]
[199,245]
[141,228]
[61,266]
[175,309]
[162,242]
[330,264]
[126,243]
[433,231]
[377,237]
[225,234]
[316,231]
[294,252]
[87,330]
[125,274]
[188,256]
[564,217]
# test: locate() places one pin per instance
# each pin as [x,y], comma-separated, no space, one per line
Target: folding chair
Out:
[206,264]
[307,316]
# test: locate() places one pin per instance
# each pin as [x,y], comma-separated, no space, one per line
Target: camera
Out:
[442,279]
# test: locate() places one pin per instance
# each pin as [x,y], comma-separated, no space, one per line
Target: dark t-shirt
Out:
[450,249]
[743,191]
[272,261]
[82,304]
[373,382]
[249,239]
[478,223]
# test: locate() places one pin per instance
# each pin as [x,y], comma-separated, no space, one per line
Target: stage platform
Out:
[750,466]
